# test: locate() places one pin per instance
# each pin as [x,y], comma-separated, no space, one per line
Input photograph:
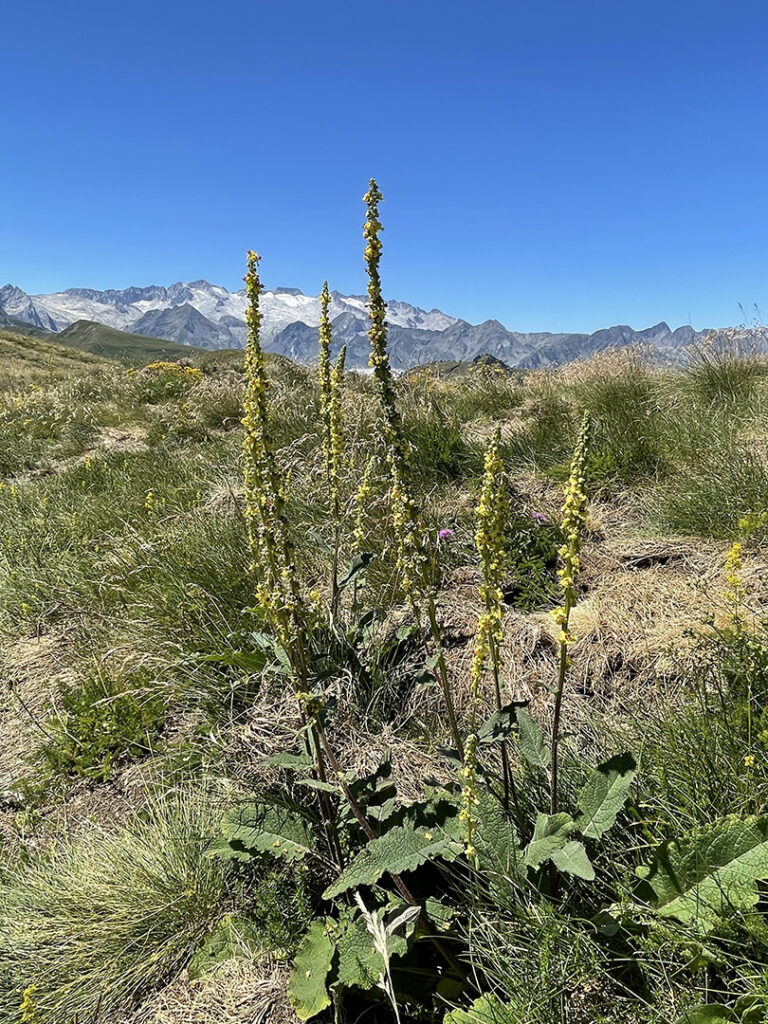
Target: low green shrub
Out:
[99,721]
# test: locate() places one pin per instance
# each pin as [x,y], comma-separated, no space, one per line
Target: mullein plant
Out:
[330,379]
[278,593]
[492,516]
[412,553]
[574,522]
[271,548]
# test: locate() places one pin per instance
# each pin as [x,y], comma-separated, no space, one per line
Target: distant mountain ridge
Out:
[209,316]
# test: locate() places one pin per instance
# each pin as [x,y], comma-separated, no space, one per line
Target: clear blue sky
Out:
[557,165]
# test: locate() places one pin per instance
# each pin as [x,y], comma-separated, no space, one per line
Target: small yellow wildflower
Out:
[749,761]
[28,1004]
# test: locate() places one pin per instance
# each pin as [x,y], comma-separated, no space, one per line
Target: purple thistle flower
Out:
[539,518]
[444,534]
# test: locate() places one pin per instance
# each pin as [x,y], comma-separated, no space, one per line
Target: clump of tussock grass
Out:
[708,498]
[98,925]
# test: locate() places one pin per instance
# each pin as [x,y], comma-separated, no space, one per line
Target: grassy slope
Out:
[89,336]
[123,579]
[23,356]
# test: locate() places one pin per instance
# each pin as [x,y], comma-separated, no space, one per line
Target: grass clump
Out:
[97,925]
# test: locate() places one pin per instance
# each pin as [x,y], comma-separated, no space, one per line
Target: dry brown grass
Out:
[236,992]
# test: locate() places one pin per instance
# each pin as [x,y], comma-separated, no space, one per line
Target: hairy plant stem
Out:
[335,592]
[559,691]
[442,675]
[510,789]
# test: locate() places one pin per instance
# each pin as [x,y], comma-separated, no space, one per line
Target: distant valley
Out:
[208,316]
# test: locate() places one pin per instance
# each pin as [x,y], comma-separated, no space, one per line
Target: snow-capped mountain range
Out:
[209,316]
[135,309]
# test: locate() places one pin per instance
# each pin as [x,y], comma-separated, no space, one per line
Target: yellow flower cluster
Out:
[27,1007]
[735,592]
[331,379]
[492,515]
[324,371]
[574,521]
[271,548]
[362,498]
[469,796]
[161,366]
[411,556]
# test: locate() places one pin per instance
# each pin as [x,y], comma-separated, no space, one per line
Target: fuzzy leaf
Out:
[263,828]
[402,848]
[573,860]
[533,746]
[501,724]
[485,1010]
[550,834]
[497,844]
[251,662]
[359,965]
[307,989]
[752,1009]
[221,847]
[711,873]
[604,795]
[323,787]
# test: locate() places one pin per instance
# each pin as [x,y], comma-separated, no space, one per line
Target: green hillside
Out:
[99,339]
[24,358]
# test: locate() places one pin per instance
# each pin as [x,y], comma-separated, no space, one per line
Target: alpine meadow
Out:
[434,696]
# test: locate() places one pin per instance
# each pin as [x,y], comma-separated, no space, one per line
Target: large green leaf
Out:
[307,989]
[604,795]
[550,833]
[533,746]
[295,761]
[403,848]
[485,1010]
[359,965]
[713,872]
[573,860]
[265,828]
[358,564]
[752,1009]
[496,842]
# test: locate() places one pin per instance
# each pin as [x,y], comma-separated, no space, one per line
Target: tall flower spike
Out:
[574,521]
[411,549]
[270,544]
[336,428]
[362,499]
[492,514]
[324,371]
[411,555]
